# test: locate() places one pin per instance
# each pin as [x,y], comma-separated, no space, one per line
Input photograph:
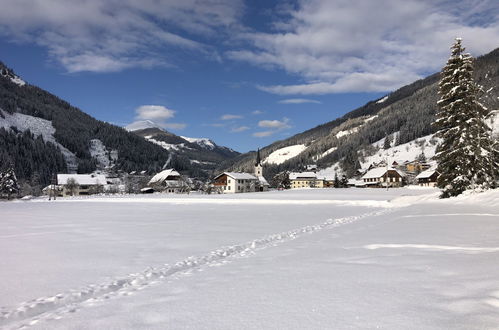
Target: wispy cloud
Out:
[230,117]
[159,115]
[239,129]
[272,127]
[352,46]
[298,101]
[103,36]
[257,112]
[275,124]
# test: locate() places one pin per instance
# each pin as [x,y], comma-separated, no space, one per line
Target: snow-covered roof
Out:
[263,181]
[163,175]
[82,179]
[378,172]
[426,174]
[240,176]
[308,175]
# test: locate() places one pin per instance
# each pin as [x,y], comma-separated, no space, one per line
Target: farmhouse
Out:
[168,181]
[81,184]
[233,183]
[305,180]
[382,177]
[428,178]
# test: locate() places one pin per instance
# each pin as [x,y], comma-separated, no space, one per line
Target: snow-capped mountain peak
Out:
[141,124]
[13,77]
[203,142]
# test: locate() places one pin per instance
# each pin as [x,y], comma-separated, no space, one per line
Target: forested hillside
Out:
[410,111]
[73,130]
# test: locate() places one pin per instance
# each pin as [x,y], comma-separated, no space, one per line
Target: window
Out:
[229,188]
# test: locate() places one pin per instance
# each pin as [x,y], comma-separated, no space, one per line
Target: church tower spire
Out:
[258,165]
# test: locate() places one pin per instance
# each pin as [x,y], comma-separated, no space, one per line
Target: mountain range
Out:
[41,134]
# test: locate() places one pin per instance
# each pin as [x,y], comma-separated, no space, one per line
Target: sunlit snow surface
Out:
[279,156]
[302,259]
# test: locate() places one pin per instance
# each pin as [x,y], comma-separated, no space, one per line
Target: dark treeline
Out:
[75,129]
[33,159]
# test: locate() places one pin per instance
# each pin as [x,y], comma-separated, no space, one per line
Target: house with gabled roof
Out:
[383,177]
[306,180]
[233,182]
[169,181]
[81,184]
[237,182]
[428,178]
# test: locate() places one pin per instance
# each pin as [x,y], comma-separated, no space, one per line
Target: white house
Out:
[84,184]
[233,183]
[382,176]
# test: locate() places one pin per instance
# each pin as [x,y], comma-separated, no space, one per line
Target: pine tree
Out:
[8,183]
[388,142]
[467,156]
[336,183]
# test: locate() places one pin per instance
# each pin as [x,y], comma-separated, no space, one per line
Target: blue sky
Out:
[244,73]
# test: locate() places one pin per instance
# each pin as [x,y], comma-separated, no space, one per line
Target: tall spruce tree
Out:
[467,156]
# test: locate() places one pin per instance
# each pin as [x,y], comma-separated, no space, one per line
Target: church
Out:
[237,182]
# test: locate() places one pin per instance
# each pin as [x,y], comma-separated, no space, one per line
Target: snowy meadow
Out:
[301,259]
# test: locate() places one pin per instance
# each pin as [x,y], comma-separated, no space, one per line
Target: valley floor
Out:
[303,259]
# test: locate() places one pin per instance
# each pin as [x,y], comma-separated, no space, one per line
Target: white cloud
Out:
[356,46]
[159,115]
[230,117]
[113,35]
[257,112]
[275,124]
[298,101]
[272,126]
[154,112]
[239,129]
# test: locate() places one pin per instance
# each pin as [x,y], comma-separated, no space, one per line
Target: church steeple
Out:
[258,165]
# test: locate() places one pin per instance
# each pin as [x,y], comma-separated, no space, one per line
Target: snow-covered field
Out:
[301,259]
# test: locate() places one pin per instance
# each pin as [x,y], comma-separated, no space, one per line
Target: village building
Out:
[305,180]
[416,166]
[383,177]
[263,185]
[80,184]
[169,181]
[233,183]
[428,178]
